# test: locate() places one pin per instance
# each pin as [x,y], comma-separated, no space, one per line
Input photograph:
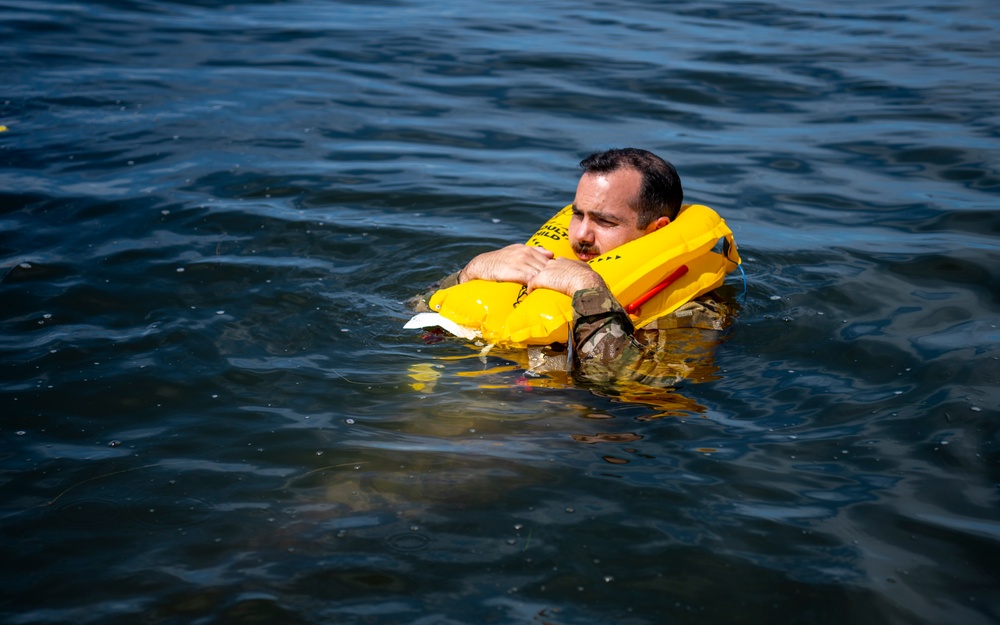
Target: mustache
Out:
[584,248]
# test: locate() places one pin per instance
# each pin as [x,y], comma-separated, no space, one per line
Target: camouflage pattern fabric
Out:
[418,303]
[606,347]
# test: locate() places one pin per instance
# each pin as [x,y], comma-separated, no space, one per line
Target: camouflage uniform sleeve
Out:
[418,303]
[602,335]
[606,346]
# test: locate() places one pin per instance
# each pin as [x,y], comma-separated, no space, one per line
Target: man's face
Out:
[603,217]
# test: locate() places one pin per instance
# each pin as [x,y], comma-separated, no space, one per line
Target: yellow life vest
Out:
[651,276]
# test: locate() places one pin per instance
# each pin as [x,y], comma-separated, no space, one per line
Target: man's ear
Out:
[656,225]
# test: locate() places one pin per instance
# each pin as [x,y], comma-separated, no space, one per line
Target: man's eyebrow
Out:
[597,215]
[606,216]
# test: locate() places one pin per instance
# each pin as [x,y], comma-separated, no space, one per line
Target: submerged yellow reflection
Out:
[425,375]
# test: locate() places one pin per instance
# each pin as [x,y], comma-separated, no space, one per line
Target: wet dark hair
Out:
[660,194]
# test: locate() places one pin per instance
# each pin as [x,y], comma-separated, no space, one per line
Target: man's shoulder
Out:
[707,312]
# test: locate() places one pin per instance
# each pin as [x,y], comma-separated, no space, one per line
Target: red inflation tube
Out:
[633,308]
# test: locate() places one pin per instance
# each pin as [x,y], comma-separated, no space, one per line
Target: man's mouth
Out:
[586,252]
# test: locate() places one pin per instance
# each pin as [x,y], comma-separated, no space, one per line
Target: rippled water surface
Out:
[211,214]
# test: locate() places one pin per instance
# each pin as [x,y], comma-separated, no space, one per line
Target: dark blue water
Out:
[211,213]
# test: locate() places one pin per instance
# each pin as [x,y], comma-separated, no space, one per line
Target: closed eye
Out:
[597,218]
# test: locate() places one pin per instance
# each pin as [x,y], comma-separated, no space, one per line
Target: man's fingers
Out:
[544,252]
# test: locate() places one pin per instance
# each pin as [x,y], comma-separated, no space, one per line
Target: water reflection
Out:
[684,356]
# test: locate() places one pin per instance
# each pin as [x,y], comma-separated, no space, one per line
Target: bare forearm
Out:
[514,263]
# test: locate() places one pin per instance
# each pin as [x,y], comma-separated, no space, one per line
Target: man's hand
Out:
[566,276]
[514,263]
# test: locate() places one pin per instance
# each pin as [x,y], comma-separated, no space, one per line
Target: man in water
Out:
[622,195]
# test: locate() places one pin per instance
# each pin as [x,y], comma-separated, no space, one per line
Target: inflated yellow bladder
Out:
[651,276]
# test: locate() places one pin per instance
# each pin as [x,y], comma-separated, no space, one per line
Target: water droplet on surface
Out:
[408,541]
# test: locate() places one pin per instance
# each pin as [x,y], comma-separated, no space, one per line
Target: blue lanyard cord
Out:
[725,250]
[742,295]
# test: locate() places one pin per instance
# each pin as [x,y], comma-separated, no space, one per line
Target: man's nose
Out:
[585,231]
